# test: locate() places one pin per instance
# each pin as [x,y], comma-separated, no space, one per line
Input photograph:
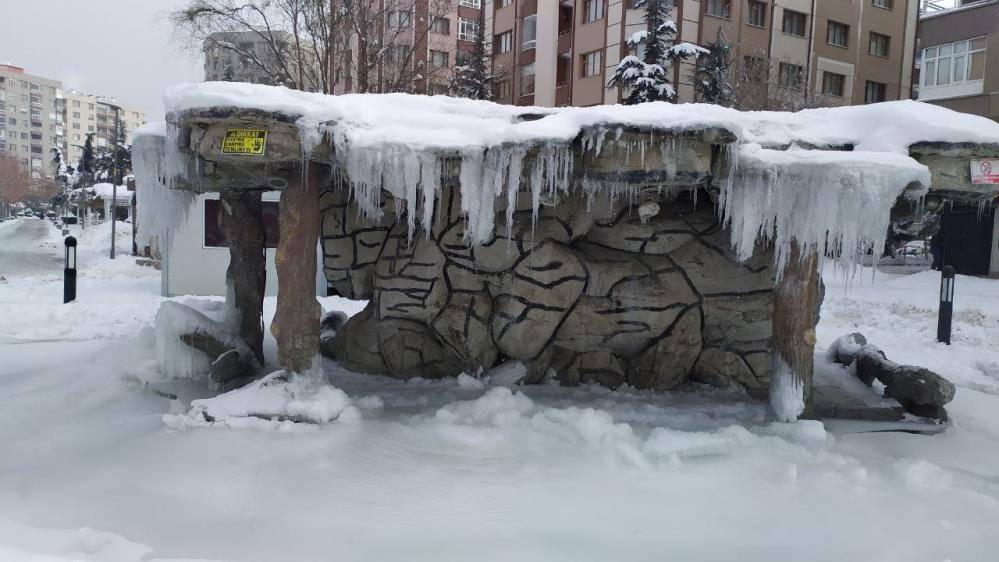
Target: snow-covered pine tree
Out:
[475,80]
[645,78]
[106,168]
[711,74]
[88,162]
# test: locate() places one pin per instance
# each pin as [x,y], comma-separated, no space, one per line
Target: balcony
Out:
[564,41]
[563,94]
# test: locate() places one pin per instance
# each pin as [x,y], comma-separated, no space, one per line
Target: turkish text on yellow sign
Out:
[244,141]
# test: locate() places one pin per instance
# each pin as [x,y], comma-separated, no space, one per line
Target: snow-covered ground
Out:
[458,470]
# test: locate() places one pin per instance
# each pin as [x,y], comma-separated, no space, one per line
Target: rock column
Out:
[296,321]
[241,221]
[797,297]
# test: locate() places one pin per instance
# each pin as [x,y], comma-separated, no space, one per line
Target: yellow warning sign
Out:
[244,141]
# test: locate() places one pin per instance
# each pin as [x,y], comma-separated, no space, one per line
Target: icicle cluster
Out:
[414,177]
[161,208]
[838,203]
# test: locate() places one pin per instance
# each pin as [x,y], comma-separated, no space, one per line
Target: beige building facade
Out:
[31,118]
[958,65]
[37,115]
[87,113]
[563,52]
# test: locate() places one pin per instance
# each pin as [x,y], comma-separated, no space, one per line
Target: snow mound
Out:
[277,401]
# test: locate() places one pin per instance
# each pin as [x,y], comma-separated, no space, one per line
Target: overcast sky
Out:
[120,48]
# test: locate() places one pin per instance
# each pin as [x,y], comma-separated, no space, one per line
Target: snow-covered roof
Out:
[444,123]
[777,187]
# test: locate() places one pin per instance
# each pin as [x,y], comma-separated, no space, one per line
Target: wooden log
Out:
[296,321]
[241,221]
[797,297]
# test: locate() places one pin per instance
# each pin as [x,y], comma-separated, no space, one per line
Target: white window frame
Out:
[471,3]
[594,10]
[958,51]
[529,32]
[468,29]
[592,63]
[504,42]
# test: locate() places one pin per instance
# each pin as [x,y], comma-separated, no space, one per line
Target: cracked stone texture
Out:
[586,289]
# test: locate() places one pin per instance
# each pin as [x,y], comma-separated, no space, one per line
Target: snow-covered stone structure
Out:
[643,245]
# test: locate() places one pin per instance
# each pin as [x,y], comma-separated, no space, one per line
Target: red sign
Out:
[985,172]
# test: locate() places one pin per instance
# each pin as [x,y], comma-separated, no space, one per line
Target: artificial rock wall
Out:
[640,289]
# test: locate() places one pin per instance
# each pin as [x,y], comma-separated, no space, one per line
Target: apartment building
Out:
[425,39]
[31,118]
[237,56]
[87,113]
[958,58]
[562,52]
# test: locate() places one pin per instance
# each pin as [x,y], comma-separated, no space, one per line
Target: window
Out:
[505,3]
[527,79]
[504,42]
[591,64]
[438,58]
[757,13]
[529,32]
[882,4]
[215,238]
[794,23]
[441,26]
[471,3]
[755,69]
[832,84]
[399,19]
[963,61]
[594,10]
[874,92]
[837,34]
[503,89]
[468,29]
[719,8]
[76,115]
[76,103]
[790,75]
[879,44]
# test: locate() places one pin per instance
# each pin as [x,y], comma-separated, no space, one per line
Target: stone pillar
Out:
[797,297]
[296,322]
[241,221]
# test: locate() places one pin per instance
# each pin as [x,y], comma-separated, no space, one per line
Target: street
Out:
[21,249]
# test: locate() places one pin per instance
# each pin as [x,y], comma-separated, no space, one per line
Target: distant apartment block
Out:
[36,115]
[86,113]
[958,57]
[562,52]
[32,113]
[238,56]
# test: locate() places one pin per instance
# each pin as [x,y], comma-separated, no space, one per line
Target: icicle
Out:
[513,187]
[430,184]
[835,202]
